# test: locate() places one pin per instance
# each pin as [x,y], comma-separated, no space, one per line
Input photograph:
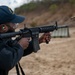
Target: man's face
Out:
[11,26]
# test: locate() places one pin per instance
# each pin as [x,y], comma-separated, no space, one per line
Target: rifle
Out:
[33,33]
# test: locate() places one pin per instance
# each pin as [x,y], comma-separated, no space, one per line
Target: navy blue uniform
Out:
[10,53]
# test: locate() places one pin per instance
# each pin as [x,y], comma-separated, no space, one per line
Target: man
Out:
[11,51]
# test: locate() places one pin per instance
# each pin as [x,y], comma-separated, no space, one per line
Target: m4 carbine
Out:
[33,33]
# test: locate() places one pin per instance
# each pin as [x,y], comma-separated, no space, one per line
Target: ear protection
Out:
[2,27]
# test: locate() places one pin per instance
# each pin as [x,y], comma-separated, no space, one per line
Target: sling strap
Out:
[18,67]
